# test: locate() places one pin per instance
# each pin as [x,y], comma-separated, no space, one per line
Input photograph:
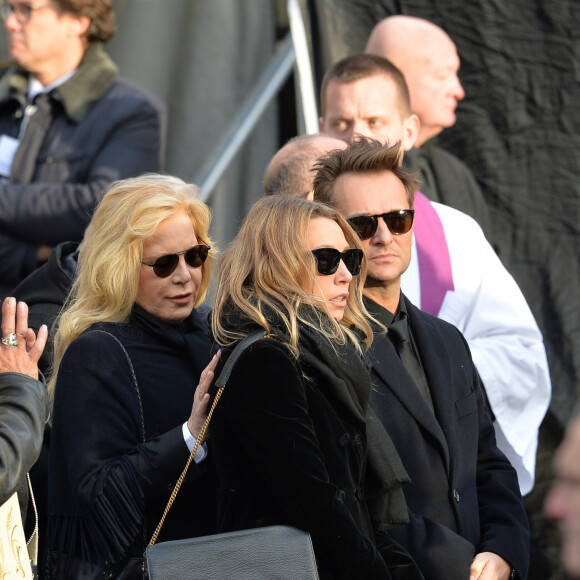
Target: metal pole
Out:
[305,85]
[248,115]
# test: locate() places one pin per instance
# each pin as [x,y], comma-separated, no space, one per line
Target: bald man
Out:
[290,171]
[428,59]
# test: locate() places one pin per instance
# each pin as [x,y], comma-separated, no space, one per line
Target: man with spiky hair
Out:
[467,518]
[454,274]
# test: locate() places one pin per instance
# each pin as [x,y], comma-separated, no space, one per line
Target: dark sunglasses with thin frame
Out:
[194,258]
[328,259]
[398,221]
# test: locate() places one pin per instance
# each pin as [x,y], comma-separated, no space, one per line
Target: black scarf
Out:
[324,362]
[385,472]
[188,338]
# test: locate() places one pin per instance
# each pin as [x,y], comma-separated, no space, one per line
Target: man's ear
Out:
[321,124]
[79,25]
[411,127]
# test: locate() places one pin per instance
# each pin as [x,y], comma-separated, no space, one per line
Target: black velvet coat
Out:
[289,441]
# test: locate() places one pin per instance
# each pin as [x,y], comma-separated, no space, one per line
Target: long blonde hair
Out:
[110,254]
[269,267]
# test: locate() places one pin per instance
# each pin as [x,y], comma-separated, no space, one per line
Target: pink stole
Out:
[435,274]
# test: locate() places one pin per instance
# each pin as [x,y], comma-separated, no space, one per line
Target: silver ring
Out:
[11,340]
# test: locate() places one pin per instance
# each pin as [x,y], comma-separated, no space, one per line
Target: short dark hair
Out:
[361,66]
[363,156]
[100,12]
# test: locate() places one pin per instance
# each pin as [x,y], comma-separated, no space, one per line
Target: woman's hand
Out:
[201,398]
[20,348]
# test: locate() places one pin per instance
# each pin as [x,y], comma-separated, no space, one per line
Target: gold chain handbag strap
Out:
[32,542]
[220,383]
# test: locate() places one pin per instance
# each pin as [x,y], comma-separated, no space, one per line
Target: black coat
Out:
[464,496]
[122,395]
[289,442]
[45,291]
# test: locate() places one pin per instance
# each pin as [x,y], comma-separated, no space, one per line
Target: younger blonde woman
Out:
[131,347]
[289,434]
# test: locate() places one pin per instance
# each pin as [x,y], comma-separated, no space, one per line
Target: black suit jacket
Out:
[464,495]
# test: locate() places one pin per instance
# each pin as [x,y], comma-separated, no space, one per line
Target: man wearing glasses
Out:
[68,127]
[454,273]
[466,513]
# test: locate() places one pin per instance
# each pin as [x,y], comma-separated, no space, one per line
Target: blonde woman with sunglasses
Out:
[131,346]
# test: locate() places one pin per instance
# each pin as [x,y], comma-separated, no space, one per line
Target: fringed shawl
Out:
[122,395]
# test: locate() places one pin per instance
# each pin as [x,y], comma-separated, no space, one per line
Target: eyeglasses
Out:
[194,258]
[399,222]
[21,10]
[328,259]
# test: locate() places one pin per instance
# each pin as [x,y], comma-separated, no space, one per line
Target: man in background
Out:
[428,59]
[68,127]
[290,170]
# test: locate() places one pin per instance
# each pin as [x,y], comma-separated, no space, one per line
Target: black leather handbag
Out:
[270,553]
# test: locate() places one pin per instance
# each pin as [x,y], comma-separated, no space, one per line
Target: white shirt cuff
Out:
[190,442]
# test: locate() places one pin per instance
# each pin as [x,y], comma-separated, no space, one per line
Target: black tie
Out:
[26,158]
[399,332]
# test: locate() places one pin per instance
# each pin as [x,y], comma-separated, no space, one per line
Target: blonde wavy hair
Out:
[269,268]
[109,261]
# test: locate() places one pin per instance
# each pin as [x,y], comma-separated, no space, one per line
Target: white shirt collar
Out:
[35,87]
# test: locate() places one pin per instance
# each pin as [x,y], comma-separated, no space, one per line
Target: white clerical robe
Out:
[465,283]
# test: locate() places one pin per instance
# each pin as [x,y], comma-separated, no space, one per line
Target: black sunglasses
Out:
[328,259]
[194,258]
[399,222]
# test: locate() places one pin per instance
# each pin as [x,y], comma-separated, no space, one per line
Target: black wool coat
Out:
[464,496]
